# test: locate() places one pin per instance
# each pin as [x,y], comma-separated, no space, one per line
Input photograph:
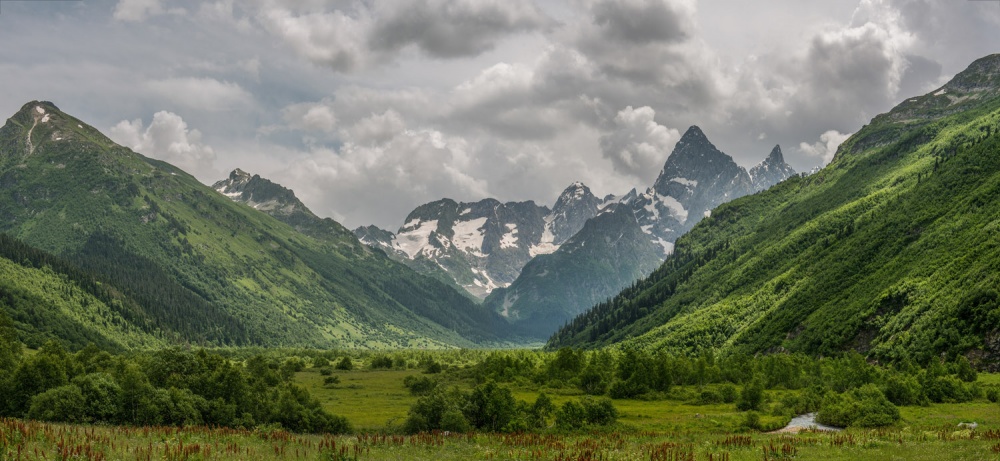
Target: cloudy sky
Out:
[369,108]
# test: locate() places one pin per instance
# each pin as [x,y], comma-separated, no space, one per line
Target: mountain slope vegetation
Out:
[891,250]
[203,268]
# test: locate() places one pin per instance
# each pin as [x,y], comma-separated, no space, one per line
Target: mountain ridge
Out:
[154,230]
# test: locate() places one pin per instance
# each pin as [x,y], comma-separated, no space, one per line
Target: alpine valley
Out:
[540,267]
[891,250]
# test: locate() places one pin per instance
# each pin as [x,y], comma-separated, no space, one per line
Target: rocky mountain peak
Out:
[574,207]
[982,74]
[775,157]
[261,193]
[770,171]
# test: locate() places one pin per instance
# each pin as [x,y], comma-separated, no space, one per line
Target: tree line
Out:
[165,387]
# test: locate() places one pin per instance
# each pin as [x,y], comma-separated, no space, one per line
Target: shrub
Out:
[438,410]
[419,385]
[902,390]
[627,389]
[600,412]
[571,415]
[102,394]
[320,362]
[862,407]
[345,364]
[63,404]
[491,407]
[433,367]
[751,396]
[380,361]
[326,371]
[751,421]
[707,397]
[541,411]
[592,382]
[331,380]
[728,393]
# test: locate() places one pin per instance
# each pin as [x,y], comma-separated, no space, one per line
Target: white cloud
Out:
[826,147]
[206,94]
[317,117]
[377,129]
[168,138]
[335,39]
[639,146]
[383,183]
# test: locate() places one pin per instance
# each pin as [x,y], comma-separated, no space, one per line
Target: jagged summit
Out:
[260,193]
[280,202]
[775,156]
[693,135]
[771,170]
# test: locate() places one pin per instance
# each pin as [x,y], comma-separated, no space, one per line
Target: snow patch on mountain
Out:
[676,208]
[546,245]
[415,236]
[685,181]
[469,236]
[509,238]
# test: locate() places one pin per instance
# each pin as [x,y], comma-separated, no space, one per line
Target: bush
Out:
[320,362]
[728,393]
[751,396]
[326,371]
[438,410]
[102,394]
[331,380]
[903,390]
[571,415]
[575,415]
[433,367]
[628,389]
[541,411]
[862,407]
[751,421]
[708,397]
[592,382]
[491,407]
[345,364]
[419,385]
[64,403]
[600,412]
[380,361]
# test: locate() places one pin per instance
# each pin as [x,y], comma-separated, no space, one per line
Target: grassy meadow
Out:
[672,425]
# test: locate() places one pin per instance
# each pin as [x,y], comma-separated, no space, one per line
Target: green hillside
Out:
[893,249]
[201,268]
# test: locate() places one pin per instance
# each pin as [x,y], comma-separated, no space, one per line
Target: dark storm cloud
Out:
[640,21]
[452,28]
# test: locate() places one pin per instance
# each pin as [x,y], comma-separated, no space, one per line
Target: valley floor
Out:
[376,402]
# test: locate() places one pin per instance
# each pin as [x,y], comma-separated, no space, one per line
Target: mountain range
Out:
[890,250]
[539,267]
